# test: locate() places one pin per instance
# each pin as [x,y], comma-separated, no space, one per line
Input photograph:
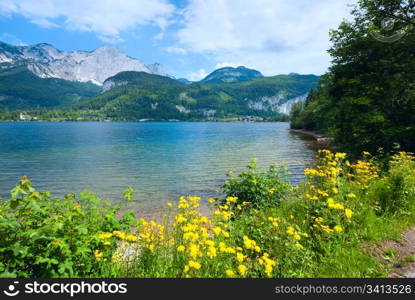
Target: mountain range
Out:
[108,84]
[46,61]
[139,95]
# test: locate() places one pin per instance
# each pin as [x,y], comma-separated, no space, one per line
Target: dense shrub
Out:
[395,191]
[42,236]
[261,188]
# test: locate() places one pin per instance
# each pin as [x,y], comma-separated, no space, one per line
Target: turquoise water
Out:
[161,160]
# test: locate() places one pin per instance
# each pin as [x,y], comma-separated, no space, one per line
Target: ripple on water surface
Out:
[161,160]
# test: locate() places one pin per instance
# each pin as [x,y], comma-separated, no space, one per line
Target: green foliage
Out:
[395,191]
[21,89]
[43,236]
[261,188]
[144,96]
[367,100]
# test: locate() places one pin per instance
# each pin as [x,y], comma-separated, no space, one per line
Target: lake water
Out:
[161,160]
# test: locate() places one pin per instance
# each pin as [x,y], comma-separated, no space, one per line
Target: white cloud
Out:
[176,50]
[159,36]
[107,18]
[198,75]
[11,39]
[226,64]
[273,36]
[44,23]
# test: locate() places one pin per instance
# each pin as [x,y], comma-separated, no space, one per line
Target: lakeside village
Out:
[27,117]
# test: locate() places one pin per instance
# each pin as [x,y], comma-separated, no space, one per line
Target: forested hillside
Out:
[367,99]
[20,89]
[135,95]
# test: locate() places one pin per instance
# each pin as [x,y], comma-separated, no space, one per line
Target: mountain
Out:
[43,78]
[156,69]
[46,61]
[184,80]
[23,90]
[139,95]
[231,75]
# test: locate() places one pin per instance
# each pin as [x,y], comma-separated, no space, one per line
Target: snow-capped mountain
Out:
[45,61]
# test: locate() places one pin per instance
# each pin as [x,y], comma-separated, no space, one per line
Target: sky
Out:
[190,38]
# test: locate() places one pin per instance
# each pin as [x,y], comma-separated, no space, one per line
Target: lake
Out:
[161,160]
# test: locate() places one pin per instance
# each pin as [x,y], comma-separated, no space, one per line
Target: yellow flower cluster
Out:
[201,243]
[296,236]
[98,255]
[274,221]
[363,172]
[323,189]
[151,234]
[250,244]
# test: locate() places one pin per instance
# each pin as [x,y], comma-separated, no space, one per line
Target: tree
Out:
[369,100]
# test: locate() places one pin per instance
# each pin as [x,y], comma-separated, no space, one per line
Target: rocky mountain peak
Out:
[44,60]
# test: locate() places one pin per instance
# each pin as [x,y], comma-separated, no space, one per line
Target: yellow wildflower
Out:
[211,252]
[131,238]
[194,264]
[211,200]
[103,236]
[240,257]
[98,255]
[242,269]
[231,199]
[217,230]
[298,245]
[290,230]
[348,213]
[338,228]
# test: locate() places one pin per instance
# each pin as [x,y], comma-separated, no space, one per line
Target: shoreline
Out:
[320,141]
[138,121]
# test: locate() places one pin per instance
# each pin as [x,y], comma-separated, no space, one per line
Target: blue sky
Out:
[190,38]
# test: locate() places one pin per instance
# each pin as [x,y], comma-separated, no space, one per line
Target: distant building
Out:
[23,117]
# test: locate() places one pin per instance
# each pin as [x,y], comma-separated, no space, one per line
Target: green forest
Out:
[147,96]
[367,99]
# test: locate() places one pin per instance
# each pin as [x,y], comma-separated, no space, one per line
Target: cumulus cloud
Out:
[106,18]
[176,50]
[11,39]
[197,75]
[274,36]
[226,64]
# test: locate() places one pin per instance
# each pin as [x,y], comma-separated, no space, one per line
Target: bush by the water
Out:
[320,228]
[41,236]
[261,188]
